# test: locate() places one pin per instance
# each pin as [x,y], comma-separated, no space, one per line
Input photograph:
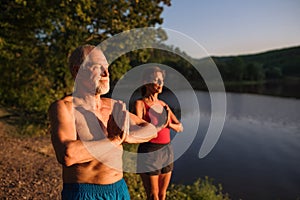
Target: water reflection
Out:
[257,155]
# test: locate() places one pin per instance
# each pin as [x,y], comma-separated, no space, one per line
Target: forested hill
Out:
[275,64]
[280,64]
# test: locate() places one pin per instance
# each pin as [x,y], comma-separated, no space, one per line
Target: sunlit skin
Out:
[79,122]
[156,185]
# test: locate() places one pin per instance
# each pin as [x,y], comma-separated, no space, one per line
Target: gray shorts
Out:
[155,159]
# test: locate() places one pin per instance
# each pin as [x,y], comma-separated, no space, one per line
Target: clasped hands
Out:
[118,122]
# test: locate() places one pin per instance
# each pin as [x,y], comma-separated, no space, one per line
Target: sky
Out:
[234,27]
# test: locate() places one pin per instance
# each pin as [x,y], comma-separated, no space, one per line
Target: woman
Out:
[156,167]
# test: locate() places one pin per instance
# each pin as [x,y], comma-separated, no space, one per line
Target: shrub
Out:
[202,189]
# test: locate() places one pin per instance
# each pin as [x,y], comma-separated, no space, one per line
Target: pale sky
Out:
[235,27]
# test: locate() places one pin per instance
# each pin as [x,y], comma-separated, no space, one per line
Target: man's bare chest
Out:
[91,125]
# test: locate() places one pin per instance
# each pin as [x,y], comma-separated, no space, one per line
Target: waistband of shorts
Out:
[88,187]
[156,144]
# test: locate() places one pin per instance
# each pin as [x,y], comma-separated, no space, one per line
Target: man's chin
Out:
[102,90]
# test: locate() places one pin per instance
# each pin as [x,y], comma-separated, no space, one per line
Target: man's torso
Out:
[91,125]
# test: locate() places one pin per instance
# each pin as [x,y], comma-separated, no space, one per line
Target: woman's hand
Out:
[159,116]
[173,122]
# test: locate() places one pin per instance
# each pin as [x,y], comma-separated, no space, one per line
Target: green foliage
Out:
[37,36]
[202,189]
[254,72]
[254,69]
[237,67]
[277,64]
[135,186]
[273,73]
[119,68]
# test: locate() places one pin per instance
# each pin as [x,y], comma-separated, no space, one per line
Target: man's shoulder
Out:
[64,103]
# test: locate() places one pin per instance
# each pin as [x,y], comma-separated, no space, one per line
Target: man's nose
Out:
[104,72]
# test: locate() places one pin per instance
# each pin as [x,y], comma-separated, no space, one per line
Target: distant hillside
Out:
[271,64]
[275,72]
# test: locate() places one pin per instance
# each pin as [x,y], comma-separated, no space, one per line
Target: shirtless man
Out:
[87,131]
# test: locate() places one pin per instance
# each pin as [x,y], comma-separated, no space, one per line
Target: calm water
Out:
[258,153]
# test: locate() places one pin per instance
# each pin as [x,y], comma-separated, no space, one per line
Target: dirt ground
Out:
[28,167]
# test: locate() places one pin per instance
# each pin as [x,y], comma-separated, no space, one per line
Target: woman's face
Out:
[156,83]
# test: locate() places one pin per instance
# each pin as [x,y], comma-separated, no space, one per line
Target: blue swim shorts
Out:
[79,191]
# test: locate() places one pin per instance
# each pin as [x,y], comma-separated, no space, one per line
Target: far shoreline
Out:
[276,88]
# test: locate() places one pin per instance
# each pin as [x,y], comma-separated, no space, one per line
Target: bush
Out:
[201,189]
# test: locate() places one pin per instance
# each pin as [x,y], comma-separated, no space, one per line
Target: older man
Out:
[88,130]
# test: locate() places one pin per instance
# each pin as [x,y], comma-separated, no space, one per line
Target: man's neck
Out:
[87,100]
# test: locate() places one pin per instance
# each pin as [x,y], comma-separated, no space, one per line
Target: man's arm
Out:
[140,130]
[63,135]
[67,148]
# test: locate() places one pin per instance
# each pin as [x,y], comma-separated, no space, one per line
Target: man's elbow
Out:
[154,135]
[67,161]
[150,130]
[63,156]
[67,158]
[144,134]
[60,159]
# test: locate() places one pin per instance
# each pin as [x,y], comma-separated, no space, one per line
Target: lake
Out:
[257,155]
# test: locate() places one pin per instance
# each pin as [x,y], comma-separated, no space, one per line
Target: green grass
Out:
[201,189]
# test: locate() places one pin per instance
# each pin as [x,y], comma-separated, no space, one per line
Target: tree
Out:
[37,36]
[273,73]
[254,72]
[236,67]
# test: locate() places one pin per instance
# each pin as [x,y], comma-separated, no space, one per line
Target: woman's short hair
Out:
[148,75]
[150,72]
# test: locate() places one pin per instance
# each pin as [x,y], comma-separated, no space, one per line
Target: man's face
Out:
[95,72]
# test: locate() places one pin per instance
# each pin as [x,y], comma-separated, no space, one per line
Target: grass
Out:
[201,189]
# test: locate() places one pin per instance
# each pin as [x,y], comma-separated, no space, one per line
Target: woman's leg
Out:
[151,186]
[164,180]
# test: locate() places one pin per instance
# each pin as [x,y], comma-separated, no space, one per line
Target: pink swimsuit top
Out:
[163,136]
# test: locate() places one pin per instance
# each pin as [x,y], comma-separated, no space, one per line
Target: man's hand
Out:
[118,123]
